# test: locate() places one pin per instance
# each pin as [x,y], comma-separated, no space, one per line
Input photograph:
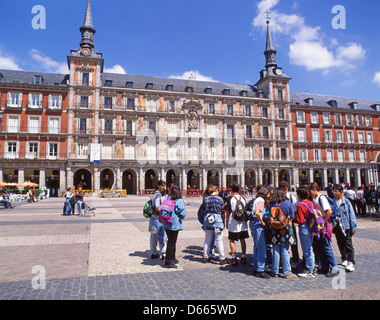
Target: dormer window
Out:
[37,80]
[333,103]
[149,86]
[169,87]
[243,93]
[208,90]
[129,84]
[189,89]
[309,101]
[375,107]
[226,91]
[354,105]
[108,83]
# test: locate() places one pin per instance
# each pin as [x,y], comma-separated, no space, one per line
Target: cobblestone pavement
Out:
[107,256]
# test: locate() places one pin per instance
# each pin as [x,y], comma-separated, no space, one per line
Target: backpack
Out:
[334,208]
[371,197]
[277,218]
[248,213]
[166,211]
[238,213]
[315,222]
[148,209]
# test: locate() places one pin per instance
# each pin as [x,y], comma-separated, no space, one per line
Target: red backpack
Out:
[277,218]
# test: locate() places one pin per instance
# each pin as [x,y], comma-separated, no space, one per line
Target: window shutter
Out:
[20,100]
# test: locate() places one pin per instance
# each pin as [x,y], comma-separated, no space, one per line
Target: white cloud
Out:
[307,47]
[115,69]
[7,62]
[376,78]
[193,74]
[47,64]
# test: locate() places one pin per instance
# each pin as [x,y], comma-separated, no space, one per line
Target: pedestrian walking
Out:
[360,202]
[67,207]
[79,202]
[173,229]
[344,229]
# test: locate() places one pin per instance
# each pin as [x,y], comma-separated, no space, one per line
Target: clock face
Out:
[278,72]
[86,52]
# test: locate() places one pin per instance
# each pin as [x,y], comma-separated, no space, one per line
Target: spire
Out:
[270,51]
[87,29]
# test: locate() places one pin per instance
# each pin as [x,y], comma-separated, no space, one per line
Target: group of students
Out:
[271,245]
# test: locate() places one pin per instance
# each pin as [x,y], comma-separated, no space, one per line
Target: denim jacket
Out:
[178,215]
[347,215]
[154,224]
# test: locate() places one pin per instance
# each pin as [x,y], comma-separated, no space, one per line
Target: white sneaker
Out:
[345,263]
[350,267]
[306,274]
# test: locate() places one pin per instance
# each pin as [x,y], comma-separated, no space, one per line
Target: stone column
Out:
[324,179]
[96,183]
[62,181]
[42,182]
[21,175]
[310,176]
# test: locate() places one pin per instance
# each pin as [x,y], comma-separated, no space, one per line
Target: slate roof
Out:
[342,102]
[139,82]
[27,77]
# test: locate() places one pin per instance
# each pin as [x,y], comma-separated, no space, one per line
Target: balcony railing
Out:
[32,130]
[33,155]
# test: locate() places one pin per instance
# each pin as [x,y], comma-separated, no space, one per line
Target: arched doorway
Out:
[283,175]
[231,177]
[151,179]
[267,177]
[106,179]
[129,182]
[193,179]
[172,176]
[83,179]
[317,177]
[213,177]
[249,178]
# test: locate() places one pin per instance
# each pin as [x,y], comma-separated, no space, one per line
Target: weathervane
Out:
[268,17]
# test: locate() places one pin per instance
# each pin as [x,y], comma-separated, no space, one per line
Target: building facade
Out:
[100,130]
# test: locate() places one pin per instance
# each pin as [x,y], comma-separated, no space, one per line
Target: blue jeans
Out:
[283,251]
[68,210]
[306,239]
[259,245]
[79,207]
[326,254]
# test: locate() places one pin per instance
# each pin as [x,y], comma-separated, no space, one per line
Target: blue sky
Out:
[222,40]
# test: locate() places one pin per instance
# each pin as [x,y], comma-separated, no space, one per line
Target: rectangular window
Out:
[55,102]
[152,127]
[351,155]
[54,125]
[85,79]
[211,108]
[230,109]
[265,112]
[359,120]
[33,151]
[338,118]
[281,113]
[248,131]
[108,126]
[171,106]
[266,154]
[326,118]
[84,102]
[300,116]
[37,80]
[108,102]
[130,104]
[301,135]
[362,155]
[12,150]
[350,137]
[283,154]
[328,136]
[317,155]
[82,126]
[129,127]
[247,110]
[230,130]
[368,121]
[280,94]
[340,155]
[361,137]
[369,138]
[82,150]
[339,136]
[315,134]
[53,150]
[35,101]
[13,124]
[265,132]
[329,156]
[282,134]
[34,125]
[303,154]
[15,99]
[350,120]
[314,118]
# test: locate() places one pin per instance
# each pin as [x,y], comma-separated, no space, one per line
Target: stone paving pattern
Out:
[107,256]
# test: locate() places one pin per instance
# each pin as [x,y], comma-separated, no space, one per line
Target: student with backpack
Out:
[257,225]
[236,224]
[157,233]
[173,227]
[345,228]
[281,233]
[213,222]
[324,252]
[306,237]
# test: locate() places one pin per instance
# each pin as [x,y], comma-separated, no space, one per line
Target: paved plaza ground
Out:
[107,257]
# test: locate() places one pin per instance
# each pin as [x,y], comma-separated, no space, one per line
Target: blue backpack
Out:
[334,208]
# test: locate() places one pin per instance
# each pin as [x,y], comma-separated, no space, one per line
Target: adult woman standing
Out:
[345,228]
[257,225]
[173,229]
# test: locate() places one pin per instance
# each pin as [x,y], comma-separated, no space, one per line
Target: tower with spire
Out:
[86,69]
